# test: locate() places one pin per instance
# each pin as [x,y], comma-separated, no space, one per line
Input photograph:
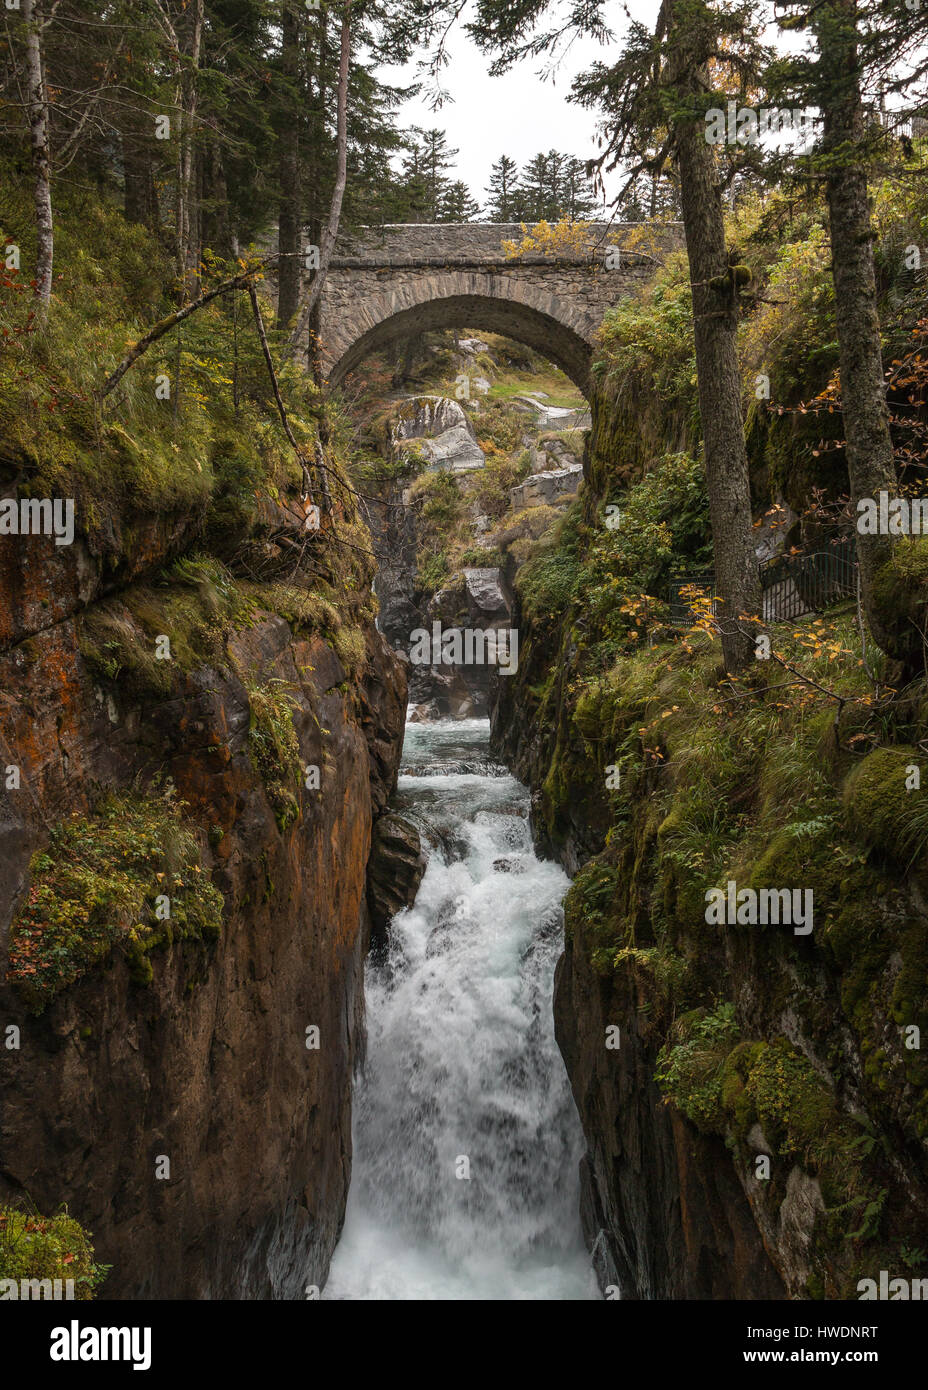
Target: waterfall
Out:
[466,1141]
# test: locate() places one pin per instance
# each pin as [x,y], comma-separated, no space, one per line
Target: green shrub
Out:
[48,1248]
[94,887]
[689,1066]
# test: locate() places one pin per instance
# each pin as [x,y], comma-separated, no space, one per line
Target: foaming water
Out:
[463,1073]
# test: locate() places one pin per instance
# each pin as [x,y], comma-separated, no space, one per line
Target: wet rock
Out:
[394,869]
[662,1208]
[441,692]
[207,1057]
[508,866]
[771,536]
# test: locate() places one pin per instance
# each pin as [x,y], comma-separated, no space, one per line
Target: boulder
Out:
[484,589]
[394,868]
[442,430]
[541,489]
[772,532]
[456,450]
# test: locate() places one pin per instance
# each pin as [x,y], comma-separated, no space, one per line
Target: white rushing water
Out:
[463,1073]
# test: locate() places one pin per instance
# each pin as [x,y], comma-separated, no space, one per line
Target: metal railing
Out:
[792,585]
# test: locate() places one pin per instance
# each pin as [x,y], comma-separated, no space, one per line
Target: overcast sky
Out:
[518,114]
[522,112]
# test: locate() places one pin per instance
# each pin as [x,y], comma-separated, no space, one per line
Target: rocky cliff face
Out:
[663,1214]
[753,1100]
[194,1114]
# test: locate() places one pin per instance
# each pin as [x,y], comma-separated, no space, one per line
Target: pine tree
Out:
[436,162]
[457,205]
[536,203]
[288,136]
[577,195]
[503,191]
[414,188]
[556,166]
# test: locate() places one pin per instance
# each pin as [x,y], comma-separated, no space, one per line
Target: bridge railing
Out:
[791,585]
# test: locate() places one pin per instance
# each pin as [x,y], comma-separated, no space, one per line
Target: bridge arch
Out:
[495,303]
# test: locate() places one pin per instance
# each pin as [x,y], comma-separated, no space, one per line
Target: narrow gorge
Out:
[358,840]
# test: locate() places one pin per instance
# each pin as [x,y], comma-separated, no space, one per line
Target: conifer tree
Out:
[503,191]
[457,205]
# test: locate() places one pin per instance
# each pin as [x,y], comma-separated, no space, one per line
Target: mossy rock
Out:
[351,646]
[900,589]
[275,748]
[802,861]
[881,810]
[690,1066]
[591,908]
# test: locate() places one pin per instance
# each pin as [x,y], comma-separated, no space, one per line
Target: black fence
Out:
[792,585]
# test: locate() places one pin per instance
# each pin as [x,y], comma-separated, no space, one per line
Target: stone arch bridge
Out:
[394,281]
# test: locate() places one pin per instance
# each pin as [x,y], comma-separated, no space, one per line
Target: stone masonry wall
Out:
[398,280]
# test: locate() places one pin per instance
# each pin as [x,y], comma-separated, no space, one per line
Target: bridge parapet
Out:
[476,243]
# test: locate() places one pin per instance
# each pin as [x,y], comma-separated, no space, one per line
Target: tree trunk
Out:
[869,449]
[715,325]
[186,260]
[137,181]
[330,230]
[288,234]
[37,108]
[217,229]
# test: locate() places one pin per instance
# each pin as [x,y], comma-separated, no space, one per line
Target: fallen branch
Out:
[238,282]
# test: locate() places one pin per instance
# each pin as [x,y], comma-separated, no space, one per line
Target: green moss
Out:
[275,747]
[479,557]
[727,1086]
[195,605]
[493,483]
[546,585]
[95,888]
[882,810]
[900,589]
[304,609]
[351,646]
[665,971]
[689,1066]
[48,1248]
[590,906]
